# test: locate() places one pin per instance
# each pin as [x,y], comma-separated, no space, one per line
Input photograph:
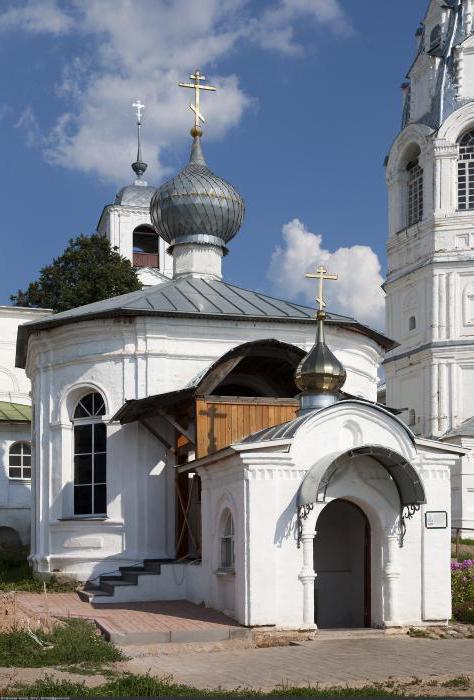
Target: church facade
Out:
[197,440]
[430,278]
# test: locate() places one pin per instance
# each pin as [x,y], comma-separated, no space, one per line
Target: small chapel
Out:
[200,441]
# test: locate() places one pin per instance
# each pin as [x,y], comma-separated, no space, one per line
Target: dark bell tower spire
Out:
[139,166]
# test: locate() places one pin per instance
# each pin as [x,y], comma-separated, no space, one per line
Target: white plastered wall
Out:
[127,359]
[410,585]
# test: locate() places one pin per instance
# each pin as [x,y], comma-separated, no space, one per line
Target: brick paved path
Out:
[126,623]
[322,661]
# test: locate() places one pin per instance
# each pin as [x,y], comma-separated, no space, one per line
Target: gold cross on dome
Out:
[196,85]
[321,274]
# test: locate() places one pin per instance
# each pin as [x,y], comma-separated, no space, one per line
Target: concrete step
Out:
[89,595]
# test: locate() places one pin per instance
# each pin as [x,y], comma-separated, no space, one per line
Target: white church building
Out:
[194,441]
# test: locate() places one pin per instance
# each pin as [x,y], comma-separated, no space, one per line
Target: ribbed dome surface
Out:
[197,206]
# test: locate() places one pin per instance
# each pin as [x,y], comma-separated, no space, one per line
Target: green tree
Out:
[89,270]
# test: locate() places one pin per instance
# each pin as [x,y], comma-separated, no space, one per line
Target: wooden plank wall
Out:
[220,421]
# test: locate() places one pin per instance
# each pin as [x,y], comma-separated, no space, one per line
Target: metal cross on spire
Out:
[196,108]
[139,166]
[139,109]
[321,274]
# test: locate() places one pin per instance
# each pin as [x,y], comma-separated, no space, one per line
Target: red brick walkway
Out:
[138,623]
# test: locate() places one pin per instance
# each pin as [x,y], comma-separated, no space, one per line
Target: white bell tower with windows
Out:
[430,276]
[127,224]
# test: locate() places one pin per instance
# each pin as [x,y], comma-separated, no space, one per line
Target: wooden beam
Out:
[172,421]
[218,375]
[156,434]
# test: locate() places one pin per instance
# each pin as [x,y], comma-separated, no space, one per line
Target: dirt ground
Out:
[15,617]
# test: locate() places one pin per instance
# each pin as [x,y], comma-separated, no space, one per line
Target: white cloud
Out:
[357,292]
[37,17]
[142,48]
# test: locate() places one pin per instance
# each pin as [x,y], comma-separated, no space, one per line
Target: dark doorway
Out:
[342,565]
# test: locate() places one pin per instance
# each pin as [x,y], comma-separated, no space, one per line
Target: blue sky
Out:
[309,103]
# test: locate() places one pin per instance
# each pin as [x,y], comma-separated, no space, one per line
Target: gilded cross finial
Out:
[321,274]
[196,77]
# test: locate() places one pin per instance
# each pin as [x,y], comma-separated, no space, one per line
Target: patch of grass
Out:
[463,555]
[77,642]
[17,575]
[461,682]
[145,686]
[465,540]
[417,632]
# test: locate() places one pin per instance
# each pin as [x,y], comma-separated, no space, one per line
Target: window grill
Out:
[19,461]
[466,172]
[90,456]
[415,193]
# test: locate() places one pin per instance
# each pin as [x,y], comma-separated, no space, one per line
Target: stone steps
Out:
[127,576]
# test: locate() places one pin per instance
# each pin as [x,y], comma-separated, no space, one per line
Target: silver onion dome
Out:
[197,206]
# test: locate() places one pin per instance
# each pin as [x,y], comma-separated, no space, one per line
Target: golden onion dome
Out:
[320,372]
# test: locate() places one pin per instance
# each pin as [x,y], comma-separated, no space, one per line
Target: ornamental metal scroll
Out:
[407,513]
[303,512]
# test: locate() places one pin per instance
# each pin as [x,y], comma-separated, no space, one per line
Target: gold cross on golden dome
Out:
[321,274]
[196,85]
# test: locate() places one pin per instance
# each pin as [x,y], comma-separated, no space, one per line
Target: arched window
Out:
[19,461]
[466,171]
[227,540]
[411,323]
[90,456]
[414,192]
[145,247]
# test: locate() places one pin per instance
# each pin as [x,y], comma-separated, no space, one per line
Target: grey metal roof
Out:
[193,298]
[197,206]
[286,431]
[410,489]
[135,196]
[466,429]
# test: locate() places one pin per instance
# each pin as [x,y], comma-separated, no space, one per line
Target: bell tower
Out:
[127,224]
[430,276]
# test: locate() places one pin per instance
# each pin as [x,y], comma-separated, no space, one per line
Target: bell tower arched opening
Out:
[145,247]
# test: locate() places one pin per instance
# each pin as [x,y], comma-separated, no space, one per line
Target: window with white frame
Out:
[90,456]
[466,171]
[227,540]
[415,192]
[19,461]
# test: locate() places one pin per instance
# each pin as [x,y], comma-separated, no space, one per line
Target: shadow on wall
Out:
[286,526]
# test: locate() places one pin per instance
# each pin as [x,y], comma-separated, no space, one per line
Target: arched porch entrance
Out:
[342,566]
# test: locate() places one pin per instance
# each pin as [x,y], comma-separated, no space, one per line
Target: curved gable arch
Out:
[415,135]
[408,483]
[262,367]
[457,124]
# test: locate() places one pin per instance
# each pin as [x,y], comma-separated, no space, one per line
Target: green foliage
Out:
[461,682]
[132,685]
[462,588]
[89,270]
[75,642]
[463,555]
[17,575]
